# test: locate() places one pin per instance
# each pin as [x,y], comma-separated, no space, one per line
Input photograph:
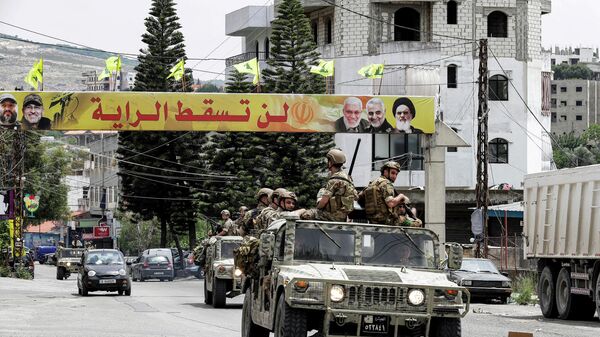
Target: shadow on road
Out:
[206,306]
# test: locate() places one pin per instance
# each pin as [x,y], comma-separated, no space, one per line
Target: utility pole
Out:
[18,168]
[482,146]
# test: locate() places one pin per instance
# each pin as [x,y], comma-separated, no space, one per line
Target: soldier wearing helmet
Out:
[380,198]
[249,222]
[268,214]
[336,199]
[228,226]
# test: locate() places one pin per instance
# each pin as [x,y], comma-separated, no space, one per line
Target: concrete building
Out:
[574,106]
[437,51]
[125,81]
[573,56]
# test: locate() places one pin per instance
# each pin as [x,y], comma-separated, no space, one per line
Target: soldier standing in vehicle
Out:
[380,198]
[228,226]
[249,222]
[337,199]
[263,220]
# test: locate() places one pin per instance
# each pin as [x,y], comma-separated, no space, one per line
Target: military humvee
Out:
[352,279]
[66,262]
[221,278]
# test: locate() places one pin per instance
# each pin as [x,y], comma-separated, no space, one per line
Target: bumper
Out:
[107,284]
[157,273]
[489,292]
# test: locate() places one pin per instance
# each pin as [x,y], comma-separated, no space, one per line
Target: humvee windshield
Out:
[313,244]
[227,249]
[398,249]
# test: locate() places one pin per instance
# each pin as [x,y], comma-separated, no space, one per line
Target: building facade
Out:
[575,106]
[428,48]
[125,81]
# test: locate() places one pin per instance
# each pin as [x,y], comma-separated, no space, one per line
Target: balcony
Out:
[401,1]
[243,57]
[249,19]
[546,6]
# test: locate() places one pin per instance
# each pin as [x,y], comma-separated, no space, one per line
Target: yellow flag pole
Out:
[183,80]
[381,80]
[42,73]
[257,75]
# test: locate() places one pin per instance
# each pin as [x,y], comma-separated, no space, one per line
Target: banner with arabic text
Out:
[147,111]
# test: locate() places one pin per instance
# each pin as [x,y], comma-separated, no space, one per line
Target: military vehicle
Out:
[221,278]
[352,279]
[66,262]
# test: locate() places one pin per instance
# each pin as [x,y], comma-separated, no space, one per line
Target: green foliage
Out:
[238,83]
[592,135]
[576,151]
[22,273]
[524,286]
[137,234]
[209,87]
[4,271]
[4,234]
[567,72]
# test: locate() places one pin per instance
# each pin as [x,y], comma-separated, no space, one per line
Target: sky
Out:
[117,25]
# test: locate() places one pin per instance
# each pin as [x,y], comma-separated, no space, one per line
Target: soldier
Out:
[336,199]
[407,220]
[262,196]
[287,203]
[228,226]
[380,198]
[263,220]
[240,220]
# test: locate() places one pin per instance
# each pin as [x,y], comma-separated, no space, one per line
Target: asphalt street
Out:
[49,307]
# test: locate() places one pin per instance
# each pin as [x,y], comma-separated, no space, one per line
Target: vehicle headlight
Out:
[122,272]
[336,294]
[237,272]
[506,284]
[68,264]
[466,282]
[416,296]
[91,273]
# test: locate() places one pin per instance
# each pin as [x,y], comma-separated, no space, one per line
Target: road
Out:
[49,307]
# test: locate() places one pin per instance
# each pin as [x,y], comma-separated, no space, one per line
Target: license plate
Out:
[374,324]
[108,281]
[159,273]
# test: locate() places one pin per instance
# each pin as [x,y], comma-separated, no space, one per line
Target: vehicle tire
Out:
[78,290]
[289,322]
[60,273]
[141,278]
[120,292]
[547,292]
[171,279]
[566,303]
[84,290]
[504,299]
[249,329]
[219,293]
[445,327]
[128,291]
[597,296]
[207,295]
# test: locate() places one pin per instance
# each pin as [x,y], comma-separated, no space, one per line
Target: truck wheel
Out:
[84,291]
[207,294]
[289,322]
[547,292]
[565,301]
[60,273]
[445,327]
[597,296]
[128,291]
[219,292]
[249,329]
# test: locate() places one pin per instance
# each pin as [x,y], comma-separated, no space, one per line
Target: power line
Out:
[157,198]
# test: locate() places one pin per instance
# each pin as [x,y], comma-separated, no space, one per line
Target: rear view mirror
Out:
[455,255]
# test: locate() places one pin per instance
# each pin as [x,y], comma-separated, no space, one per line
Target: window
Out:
[498,90]
[453,148]
[563,117]
[563,103]
[498,151]
[563,89]
[451,9]
[256,50]
[579,89]
[579,103]
[329,32]
[553,62]
[579,117]
[553,102]
[407,23]
[267,48]
[574,61]
[497,24]
[553,120]
[452,83]
[315,31]
[406,149]
[553,89]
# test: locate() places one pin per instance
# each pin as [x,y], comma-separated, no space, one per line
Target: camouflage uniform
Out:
[229,227]
[341,193]
[376,195]
[266,216]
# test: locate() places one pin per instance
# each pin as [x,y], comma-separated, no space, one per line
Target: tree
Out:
[238,83]
[159,170]
[567,72]
[573,151]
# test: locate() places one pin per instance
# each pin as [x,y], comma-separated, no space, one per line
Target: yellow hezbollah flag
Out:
[104,74]
[36,74]
[177,70]
[325,68]
[113,63]
[249,67]
[372,71]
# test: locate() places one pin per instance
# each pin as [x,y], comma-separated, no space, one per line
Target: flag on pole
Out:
[325,68]
[249,67]
[177,70]
[113,63]
[105,74]
[36,74]
[372,71]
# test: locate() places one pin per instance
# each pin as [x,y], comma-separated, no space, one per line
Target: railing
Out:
[262,56]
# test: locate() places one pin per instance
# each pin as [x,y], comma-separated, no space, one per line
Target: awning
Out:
[512,210]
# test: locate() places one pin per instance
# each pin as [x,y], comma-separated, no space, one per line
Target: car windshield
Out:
[479,266]
[398,249]
[157,259]
[315,244]
[103,258]
[227,249]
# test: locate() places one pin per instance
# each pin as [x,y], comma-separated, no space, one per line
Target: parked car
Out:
[153,264]
[104,270]
[42,251]
[51,259]
[482,279]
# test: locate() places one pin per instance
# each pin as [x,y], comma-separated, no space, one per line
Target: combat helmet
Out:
[263,191]
[390,165]
[276,194]
[336,156]
[225,212]
[288,195]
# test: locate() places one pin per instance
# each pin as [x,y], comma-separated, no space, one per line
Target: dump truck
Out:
[562,232]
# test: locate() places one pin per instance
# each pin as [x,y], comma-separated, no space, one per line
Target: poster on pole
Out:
[148,111]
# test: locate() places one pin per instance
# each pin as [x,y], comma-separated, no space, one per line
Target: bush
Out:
[4,271]
[23,273]
[524,288]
